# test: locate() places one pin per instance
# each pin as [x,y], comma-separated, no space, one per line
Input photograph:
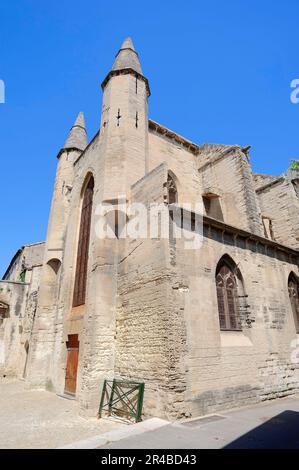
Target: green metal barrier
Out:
[122,398]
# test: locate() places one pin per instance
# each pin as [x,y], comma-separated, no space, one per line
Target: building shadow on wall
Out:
[279,432]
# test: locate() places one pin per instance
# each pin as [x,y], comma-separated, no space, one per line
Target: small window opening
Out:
[268,228]
[212,206]
[172,191]
[22,276]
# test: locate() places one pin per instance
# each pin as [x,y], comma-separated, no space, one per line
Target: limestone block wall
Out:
[261,180]
[40,363]
[150,328]
[16,327]
[13,294]
[47,362]
[21,297]
[34,279]
[33,255]
[227,171]
[125,146]
[228,369]
[181,162]
[151,310]
[95,322]
[142,321]
[280,202]
[25,259]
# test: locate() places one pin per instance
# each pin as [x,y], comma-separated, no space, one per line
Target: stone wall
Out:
[226,171]
[151,309]
[280,203]
[167,326]
[21,297]
[142,310]
[229,369]
[181,162]
[13,294]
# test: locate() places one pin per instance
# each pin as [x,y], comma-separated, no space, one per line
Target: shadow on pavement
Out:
[280,432]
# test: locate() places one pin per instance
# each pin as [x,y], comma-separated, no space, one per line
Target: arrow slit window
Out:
[172,192]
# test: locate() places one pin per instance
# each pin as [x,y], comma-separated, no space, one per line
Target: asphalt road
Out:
[272,425]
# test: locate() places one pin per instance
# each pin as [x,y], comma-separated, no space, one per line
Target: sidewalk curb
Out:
[118,434]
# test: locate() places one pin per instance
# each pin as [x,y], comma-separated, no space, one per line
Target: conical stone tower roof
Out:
[77,137]
[127,57]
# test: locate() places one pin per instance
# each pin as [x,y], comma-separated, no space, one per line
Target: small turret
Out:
[124,123]
[77,138]
[127,57]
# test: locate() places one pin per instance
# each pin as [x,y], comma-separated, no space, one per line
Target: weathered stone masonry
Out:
[207,328]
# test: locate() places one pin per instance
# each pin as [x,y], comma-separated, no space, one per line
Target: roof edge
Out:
[155,126]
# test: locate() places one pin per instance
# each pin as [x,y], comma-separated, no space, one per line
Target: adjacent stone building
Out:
[205,327]
[18,302]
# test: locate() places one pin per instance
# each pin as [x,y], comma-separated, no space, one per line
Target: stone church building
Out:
[205,328]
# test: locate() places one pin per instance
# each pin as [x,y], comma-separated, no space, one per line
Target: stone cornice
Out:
[239,233]
[250,236]
[269,185]
[4,281]
[126,71]
[173,136]
[70,149]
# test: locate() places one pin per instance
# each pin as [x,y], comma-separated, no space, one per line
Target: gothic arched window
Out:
[83,246]
[227,295]
[172,192]
[294,298]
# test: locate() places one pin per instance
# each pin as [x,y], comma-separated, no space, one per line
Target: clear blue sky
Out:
[219,71]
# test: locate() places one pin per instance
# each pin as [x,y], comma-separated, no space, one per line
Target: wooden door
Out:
[72,364]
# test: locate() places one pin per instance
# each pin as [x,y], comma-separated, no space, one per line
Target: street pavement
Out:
[271,425]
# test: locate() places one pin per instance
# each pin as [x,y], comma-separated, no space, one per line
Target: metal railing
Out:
[123,399]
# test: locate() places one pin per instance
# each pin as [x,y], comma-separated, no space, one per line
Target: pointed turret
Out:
[127,62]
[127,57]
[77,138]
[124,124]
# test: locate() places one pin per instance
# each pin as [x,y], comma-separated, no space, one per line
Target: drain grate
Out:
[208,419]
